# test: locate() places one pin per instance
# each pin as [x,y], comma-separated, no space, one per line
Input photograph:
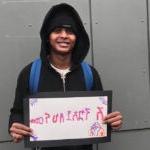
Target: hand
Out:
[114,119]
[18,131]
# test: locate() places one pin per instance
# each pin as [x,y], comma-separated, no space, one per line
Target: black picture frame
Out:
[67,142]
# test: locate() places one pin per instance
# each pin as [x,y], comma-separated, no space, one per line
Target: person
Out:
[64,45]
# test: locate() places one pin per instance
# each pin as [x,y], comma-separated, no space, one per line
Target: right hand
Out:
[18,131]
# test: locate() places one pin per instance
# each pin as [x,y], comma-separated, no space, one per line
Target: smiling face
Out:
[62,40]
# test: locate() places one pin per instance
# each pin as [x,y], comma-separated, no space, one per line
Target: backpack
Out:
[36,69]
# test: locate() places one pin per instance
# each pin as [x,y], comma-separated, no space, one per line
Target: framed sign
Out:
[70,118]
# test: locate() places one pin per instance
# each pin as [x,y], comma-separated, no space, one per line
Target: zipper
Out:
[64,84]
[63,77]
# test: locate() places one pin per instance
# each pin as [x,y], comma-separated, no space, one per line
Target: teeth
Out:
[63,44]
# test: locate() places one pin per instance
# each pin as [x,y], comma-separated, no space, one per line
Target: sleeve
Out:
[22,90]
[97,84]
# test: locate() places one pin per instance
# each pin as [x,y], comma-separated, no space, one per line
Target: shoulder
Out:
[97,84]
[24,73]
[89,67]
[94,71]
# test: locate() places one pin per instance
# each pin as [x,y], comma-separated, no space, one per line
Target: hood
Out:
[82,44]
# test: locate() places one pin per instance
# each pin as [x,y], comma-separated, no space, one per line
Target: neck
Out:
[60,61]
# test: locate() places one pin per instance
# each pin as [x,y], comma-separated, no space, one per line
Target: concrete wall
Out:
[119,50]
[121,55]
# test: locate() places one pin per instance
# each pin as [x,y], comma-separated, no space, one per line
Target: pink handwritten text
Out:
[47,118]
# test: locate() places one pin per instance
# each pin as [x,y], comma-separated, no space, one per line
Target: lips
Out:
[63,44]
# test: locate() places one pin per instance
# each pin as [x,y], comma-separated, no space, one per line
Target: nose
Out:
[63,33]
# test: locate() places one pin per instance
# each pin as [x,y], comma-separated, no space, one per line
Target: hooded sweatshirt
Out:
[50,80]
[59,15]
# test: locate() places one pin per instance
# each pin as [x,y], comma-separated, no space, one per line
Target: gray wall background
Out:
[119,33]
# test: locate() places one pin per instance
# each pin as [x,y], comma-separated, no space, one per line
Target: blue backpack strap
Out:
[34,76]
[88,75]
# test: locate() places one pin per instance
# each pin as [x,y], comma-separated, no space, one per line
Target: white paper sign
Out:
[67,118]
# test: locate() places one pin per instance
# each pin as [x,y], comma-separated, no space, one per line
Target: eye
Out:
[69,31]
[60,29]
[57,30]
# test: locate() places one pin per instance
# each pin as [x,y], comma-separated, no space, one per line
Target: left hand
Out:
[114,119]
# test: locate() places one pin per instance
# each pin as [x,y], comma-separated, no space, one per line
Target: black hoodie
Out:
[82,44]
[50,80]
